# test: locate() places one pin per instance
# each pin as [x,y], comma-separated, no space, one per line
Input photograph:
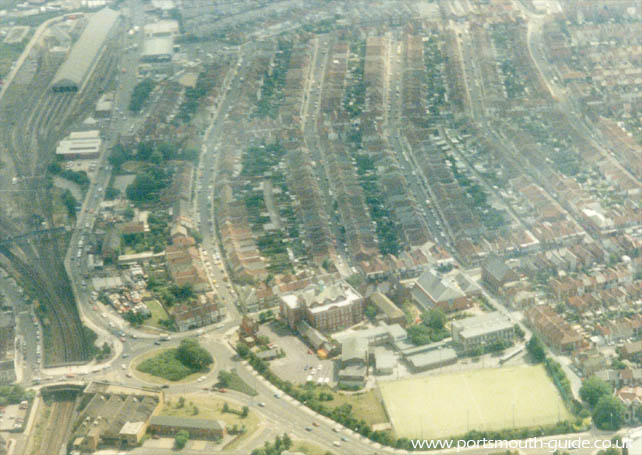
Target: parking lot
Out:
[299,363]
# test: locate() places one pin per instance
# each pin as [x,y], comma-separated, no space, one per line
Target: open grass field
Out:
[366,406]
[158,313]
[490,399]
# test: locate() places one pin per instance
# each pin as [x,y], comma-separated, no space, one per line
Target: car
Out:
[336,429]
[157,343]
[344,439]
[261,404]
[125,355]
[316,424]
[336,444]
[277,395]
[308,428]
[123,366]
[165,386]
[129,375]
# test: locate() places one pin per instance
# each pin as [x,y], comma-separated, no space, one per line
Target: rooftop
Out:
[185,422]
[482,324]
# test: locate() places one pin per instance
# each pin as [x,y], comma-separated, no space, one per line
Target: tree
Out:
[370,311]
[243,350]
[181,402]
[435,319]
[245,411]
[536,349]
[519,332]
[226,407]
[593,389]
[181,438]
[609,413]
[419,334]
[193,355]
[224,378]
[287,442]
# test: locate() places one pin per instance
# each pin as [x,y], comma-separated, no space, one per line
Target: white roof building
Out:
[73,73]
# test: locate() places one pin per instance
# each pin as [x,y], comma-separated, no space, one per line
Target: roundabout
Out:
[181,364]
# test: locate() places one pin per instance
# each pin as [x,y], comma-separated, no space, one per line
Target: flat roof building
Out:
[434,358]
[80,145]
[384,361]
[481,330]
[85,53]
[161,28]
[157,50]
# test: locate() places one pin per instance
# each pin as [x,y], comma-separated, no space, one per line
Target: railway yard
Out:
[329,197]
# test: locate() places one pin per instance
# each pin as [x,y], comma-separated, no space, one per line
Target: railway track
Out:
[29,136]
[58,425]
[64,322]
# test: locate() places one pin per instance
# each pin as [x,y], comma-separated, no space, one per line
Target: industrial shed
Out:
[75,70]
[157,50]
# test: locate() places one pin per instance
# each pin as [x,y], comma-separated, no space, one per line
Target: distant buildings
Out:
[479,331]
[326,308]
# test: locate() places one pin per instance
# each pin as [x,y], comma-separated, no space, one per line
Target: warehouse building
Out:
[161,29]
[114,415]
[80,145]
[75,70]
[157,50]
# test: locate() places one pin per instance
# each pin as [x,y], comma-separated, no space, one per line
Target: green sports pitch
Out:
[432,407]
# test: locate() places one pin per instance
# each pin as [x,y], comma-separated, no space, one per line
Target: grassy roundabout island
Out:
[177,364]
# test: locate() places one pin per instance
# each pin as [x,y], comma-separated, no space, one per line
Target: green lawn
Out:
[366,406]
[238,384]
[161,366]
[485,400]
[158,313]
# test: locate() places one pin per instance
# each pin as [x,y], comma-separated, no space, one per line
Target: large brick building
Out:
[326,308]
